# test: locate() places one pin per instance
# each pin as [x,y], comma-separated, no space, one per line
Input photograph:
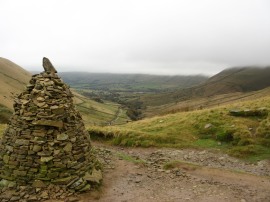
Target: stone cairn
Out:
[45,142]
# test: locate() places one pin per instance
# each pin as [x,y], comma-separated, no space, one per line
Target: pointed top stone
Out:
[48,67]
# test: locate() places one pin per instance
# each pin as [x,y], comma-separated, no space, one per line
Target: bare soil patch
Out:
[136,174]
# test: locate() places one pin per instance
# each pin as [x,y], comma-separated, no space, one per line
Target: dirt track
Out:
[215,177]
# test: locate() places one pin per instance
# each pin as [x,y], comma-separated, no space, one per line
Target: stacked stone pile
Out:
[46,141]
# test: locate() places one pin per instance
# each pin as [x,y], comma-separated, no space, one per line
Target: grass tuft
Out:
[2,129]
[130,158]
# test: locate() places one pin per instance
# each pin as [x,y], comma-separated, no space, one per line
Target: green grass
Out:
[2,129]
[166,105]
[95,113]
[130,158]
[209,143]
[243,137]
[5,113]
[180,164]
[251,153]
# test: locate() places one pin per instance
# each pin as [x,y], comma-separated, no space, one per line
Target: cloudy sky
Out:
[136,36]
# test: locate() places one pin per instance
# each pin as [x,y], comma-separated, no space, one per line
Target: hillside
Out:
[240,129]
[95,113]
[13,80]
[232,80]
[204,102]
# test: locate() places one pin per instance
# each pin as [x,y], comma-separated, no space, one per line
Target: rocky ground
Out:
[137,174]
[151,174]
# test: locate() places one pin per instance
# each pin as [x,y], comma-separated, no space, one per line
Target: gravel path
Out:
[137,174]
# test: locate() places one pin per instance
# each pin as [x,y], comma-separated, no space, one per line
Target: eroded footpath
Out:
[138,174]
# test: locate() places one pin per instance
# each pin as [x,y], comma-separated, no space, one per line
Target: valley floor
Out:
[137,174]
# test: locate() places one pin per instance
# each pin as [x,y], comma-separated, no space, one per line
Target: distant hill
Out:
[13,80]
[129,82]
[233,80]
[245,79]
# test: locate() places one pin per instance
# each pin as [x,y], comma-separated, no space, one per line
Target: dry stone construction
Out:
[46,141]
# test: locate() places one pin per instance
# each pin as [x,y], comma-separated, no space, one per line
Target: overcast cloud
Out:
[136,36]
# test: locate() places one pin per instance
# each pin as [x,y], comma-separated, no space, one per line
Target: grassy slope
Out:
[13,79]
[232,80]
[95,113]
[238,79]
[239,136]
[2,129]
[204,102]
[5,113]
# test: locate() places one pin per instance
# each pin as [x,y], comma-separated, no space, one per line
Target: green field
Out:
[2,129]
[95,113]
[129,82]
